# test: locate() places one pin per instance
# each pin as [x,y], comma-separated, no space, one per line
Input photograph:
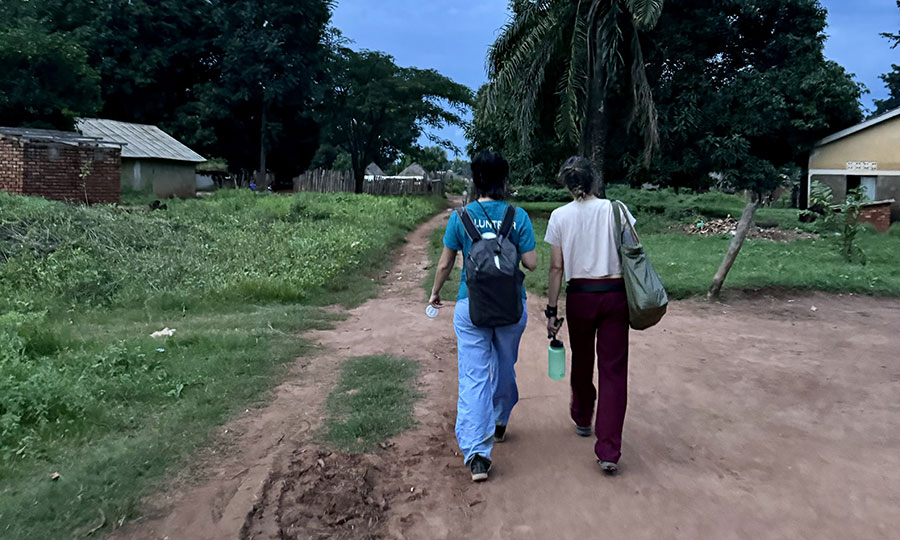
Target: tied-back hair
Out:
[578,175]
[489,175]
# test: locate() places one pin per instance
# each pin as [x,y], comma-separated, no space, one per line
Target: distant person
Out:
[487,352]
[583,246]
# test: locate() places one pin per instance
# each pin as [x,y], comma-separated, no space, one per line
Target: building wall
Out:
[877,144]
[878,215]
[12,166]
[165,178]
[838,185]
[888,187]
[54,171]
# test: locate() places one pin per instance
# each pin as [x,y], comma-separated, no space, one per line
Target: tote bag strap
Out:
[619,213]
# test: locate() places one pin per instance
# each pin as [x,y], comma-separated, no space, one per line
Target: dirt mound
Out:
[322,495]
[728,226]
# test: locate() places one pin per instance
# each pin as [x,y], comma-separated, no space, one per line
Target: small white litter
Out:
[165,332]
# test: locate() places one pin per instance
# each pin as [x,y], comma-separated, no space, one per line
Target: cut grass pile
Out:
[86,392]
[372,402]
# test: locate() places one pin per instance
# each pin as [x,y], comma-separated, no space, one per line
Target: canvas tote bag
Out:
[647,298]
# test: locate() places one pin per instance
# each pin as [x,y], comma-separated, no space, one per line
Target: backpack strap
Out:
[467,223]
[509,218]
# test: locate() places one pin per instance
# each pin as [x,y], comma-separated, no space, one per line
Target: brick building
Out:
[59,165]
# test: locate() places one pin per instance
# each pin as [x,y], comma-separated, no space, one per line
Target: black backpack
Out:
[493,276]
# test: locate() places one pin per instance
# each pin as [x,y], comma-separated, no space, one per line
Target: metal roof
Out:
[140,140]
[859,127]
[50,135]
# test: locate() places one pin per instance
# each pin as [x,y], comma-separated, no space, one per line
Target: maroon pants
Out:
[599,319]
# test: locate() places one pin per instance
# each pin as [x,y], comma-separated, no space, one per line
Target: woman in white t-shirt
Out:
[582,242]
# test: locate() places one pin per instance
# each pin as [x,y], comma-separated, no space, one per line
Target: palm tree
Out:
[568,55]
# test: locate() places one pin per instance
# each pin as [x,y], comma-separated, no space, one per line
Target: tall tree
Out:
[206,71]
[730,78]
[272,54]
[891,79]
[744,91]
[569,56]
[151,54]
[378,110]
[46,80]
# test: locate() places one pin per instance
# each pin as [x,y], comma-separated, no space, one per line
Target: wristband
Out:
[551,311]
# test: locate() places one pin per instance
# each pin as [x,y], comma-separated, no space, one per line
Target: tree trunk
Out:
[596,128]
[359,171]
[600,131]
[262,177]
[359,178]
[736,243]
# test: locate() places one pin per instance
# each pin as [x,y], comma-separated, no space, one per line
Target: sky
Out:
[453,36]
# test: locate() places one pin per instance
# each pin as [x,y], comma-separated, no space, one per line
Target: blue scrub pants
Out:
[487,379]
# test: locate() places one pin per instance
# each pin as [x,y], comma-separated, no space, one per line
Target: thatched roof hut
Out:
[374,170]
[414,170]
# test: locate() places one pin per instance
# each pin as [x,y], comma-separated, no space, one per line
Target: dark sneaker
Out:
[479,467]
[608,467]
[499,433]
[583,431]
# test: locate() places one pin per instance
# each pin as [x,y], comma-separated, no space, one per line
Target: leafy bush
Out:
[895,229]
[841,220]
[538,193]
[456,185]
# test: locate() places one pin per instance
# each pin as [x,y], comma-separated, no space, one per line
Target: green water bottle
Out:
[557,360]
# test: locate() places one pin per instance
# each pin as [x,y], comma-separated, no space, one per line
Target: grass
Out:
[663,209]
[686,264]
[84,390]
[151,411]
[372,402]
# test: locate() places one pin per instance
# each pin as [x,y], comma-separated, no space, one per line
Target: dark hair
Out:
[578,175]
[489,174]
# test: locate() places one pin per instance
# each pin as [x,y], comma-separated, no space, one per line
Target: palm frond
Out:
[644,13]
[643,110]
[573,84]
[519,64]
[608,38]
[513,33]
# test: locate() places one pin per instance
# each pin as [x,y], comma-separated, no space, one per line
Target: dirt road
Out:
[762,418]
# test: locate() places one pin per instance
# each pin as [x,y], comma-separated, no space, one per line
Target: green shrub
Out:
[540,193]
[840,221]
[895,229]
[456,185]
[34,392]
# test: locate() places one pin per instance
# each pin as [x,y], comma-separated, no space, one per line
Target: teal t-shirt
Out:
[455,237]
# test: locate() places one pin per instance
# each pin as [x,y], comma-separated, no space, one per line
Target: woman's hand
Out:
[553,326]
[435,300]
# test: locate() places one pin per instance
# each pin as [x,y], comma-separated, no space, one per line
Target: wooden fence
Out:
[321,181]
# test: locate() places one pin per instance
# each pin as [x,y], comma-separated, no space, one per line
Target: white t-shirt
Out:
[585,230]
